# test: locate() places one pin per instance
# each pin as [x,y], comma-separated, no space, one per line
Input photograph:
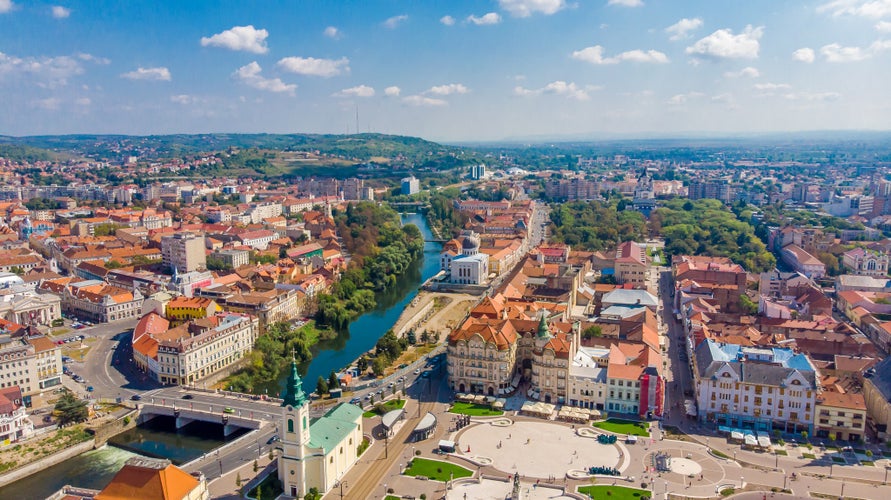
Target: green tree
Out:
[379,365]
[592,331]
[362,364]
[321,386]
[70,409]
[746,305]
[333,381]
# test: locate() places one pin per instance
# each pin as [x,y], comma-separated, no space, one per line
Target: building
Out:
[755,388]
[269,306]
[193,351]
[631,265]
[184,309]
[478,171]
[30,362]
[184,252]
[877,395]
[411,185]
[30,308]
[233,258]
[468,266]
[145,479]
[587,378]
[803,262]
[840,416]
[94,300]
[318,454]
[865,262]
[718,190]
[14,421]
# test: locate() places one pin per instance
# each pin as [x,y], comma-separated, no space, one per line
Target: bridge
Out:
[185,416]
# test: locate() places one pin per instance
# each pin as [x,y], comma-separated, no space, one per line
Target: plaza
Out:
[487,489]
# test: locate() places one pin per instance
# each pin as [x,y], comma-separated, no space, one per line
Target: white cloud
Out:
[525,8]
[60,12]
[723,44]
[246,38]
[804,54]
[835,53]
[768,87]
[486,19]
[47,71]
[594,55]
[392,91]
[6,6]
[333,33]
[679,99]
[682,28]
[880,46]
[49,104]
[448,89]
[883,27]
[812,96]
[83,56]
[83,101]
[864,8]
[447,20]
[182,99]
[249,74]
[747,72]
[626,3]
[420,100]
[315,67]
[395,21]
[159,74]
[570,90]
[359,91]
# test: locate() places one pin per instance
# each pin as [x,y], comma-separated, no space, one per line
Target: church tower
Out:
[294,436]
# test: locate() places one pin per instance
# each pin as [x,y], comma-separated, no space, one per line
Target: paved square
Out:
[489,489]
[536,449]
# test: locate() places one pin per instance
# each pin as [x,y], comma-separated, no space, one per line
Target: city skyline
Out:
[447,71]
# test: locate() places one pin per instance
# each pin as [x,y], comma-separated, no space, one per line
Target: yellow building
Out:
[840,414]
[183,309]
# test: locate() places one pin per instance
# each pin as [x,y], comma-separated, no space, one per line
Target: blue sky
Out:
[445,70]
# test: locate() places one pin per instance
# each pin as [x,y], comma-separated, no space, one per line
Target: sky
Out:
[451,71]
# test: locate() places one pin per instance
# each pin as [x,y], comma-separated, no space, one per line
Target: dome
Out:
[470,243]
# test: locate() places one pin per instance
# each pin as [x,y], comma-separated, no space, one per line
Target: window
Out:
[290,425]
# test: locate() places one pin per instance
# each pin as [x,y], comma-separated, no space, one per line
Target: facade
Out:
[711,189]
[97,301]
[317,454]
[29,308]
[31,363]
[269,307]
[462,259]
[755,388]
[233,258]
[861,261]
[631,265]
[587,378]
[411,185]
[802,261]
[841,416]
[877,396]
[183,309]
[14,422]
[184,252]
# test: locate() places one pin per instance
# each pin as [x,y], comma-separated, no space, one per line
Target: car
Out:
[390,385]
[228,410]
[355,401]
[272,439]
[188,396]
[136,397]
[418,371]
[89,388]
[425,375]
[60,342]
[367,397]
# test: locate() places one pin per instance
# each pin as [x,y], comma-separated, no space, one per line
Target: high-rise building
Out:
[477,171]
[184,252]
[411,185]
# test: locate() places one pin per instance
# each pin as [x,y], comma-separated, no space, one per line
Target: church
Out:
[315,454]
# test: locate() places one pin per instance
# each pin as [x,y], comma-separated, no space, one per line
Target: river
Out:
[364,332]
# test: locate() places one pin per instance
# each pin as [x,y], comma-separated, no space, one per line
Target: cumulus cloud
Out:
[358,91]
[626,3]
[770,87]
[159,74]
[83,56]
[485,19]
[804,54]
[6,6]
[723,44]
[246,38]
[679,99]
[60,12]
[567,89]
[182,99]
[83,101]
[448,89]
[864,8]
[836,53]
[525,8]
[421,100]
[392,91]
[447,20]
[747,72]
[812,96]
[46,71]
[49,104]
[311,66]
[883,27]
[249,75]
[594,55]
[332,32]
[395,21]
[682,28]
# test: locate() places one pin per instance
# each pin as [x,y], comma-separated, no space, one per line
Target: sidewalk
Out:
[226,487]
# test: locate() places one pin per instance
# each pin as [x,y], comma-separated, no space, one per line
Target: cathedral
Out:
[315,454]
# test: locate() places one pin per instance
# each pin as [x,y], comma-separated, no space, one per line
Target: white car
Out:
[417,371]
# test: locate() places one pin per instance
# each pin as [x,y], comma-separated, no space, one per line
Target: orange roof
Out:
[148,483]
[150,324]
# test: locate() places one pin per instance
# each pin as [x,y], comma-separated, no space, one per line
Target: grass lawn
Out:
[623,427]
[867,462]
[383,408]
[810,456]
[435,470]
[781,452]
[613,492]
[839,460]
[270,487]
[391,497]
[474,410]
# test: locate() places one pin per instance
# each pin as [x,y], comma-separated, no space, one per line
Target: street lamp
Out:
[843,489]
[341,484]
[777,464]
[385,491]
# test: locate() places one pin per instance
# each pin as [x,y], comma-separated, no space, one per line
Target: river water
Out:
[95,469]
[364,332]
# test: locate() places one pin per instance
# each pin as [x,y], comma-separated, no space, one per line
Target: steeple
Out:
[293,394]
[543,332]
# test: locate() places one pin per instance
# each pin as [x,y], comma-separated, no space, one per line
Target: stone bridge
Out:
[185,416]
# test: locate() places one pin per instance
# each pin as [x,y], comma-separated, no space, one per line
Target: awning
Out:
[764,441]
[750,440]
[736,435]
[515,381]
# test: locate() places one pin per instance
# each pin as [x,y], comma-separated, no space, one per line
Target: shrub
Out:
[127,420]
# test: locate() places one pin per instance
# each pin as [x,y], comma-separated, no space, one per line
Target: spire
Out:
[543,332]
[293,394]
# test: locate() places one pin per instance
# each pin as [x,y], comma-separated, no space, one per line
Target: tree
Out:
[592,331]
[70,409]
[313,494]
[804,435]
[256,466]
[333,381]
[746,305]
[379,365]
[362,365]
[17,270]
[321,386]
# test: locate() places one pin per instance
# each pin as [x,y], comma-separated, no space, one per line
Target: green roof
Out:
[329,431]
[293,394]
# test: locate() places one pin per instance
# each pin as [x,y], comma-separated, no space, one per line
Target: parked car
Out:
[89,388]
[417,371]
[188,396]
[228,410]
[136,397]
[272,439]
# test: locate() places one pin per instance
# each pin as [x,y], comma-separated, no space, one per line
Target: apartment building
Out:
[233,258]
[184,252]
[94,300]
[32,363]
[755,388]
[841,416]
[631,265]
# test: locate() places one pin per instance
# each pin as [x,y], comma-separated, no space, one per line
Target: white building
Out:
[411,185]
[14,421]
[184,252]
[587,378]
[317,454]
[265,210]
[32,363]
